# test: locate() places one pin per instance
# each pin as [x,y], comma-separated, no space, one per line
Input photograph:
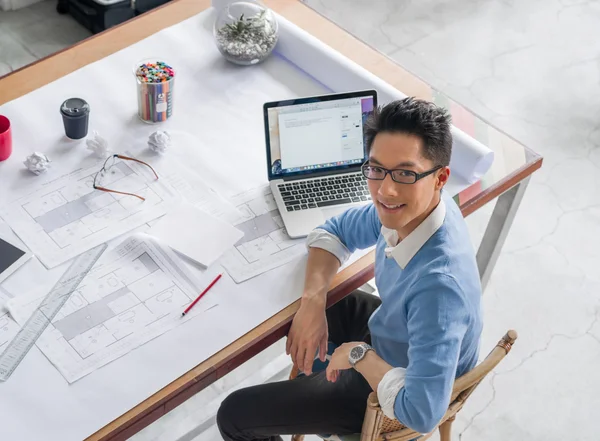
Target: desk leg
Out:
[497,230]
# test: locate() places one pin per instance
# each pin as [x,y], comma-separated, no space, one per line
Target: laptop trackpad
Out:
[330,212]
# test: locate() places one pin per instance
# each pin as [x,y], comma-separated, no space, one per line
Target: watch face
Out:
[356,352]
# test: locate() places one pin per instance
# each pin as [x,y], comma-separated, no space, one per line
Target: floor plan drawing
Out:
[69,217]
[265,244]
[134,295]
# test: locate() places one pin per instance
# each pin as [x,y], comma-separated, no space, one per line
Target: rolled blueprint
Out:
[470,158]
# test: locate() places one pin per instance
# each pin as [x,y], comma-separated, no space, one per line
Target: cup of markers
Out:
[155,81]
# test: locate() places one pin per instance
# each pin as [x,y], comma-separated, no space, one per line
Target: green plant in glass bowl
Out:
[246,33]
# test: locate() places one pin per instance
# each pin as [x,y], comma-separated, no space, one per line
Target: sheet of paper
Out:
[135,293]
[265,244]
[69,217]
[195,234]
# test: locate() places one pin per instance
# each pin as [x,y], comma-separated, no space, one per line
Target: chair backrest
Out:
[376,426]
[464,385]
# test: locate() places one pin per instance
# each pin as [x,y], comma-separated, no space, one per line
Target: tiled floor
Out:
[532,67]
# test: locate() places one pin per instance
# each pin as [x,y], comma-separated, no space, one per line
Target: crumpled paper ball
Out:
[37,163]
[98,145]
[159,141]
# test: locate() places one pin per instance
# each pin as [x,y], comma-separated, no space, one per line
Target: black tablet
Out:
[11,257]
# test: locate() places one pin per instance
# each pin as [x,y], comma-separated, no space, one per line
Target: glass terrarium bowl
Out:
[246,32]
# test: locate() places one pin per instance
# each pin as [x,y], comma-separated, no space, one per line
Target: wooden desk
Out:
[506,180]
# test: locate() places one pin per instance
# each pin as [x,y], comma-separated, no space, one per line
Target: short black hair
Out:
[416,117]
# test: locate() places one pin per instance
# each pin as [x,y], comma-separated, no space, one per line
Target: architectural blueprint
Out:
[265,244]
[135,293]
[68,217]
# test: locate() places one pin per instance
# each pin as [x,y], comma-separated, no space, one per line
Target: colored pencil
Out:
[201,295]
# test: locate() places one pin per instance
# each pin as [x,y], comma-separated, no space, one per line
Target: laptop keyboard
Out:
[324,192]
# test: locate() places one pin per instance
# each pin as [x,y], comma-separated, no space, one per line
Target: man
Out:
[425,327]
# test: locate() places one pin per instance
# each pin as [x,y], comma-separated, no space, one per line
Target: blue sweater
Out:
[429,321]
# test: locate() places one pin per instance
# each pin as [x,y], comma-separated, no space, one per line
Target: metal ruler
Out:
[25,339]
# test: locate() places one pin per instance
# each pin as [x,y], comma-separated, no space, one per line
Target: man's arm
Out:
[384,379]
[373,368]
[309,328]
[356,228]
[330,245]
[438,320]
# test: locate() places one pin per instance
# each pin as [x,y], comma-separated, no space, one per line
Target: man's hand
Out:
[309,328]
[308,331]
[339,360]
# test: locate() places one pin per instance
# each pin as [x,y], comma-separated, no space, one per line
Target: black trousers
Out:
[307,404]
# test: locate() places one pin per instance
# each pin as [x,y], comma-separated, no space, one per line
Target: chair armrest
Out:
[376,426]
[373,419]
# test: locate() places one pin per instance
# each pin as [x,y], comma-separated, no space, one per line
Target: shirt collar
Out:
[406,249]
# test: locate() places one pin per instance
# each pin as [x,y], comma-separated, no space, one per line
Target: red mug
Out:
[5,138]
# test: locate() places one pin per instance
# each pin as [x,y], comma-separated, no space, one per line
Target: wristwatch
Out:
[358,352]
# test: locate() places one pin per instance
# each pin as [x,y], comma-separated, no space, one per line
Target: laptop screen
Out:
[318,134]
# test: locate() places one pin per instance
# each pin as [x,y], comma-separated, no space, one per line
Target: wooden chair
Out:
[378,427]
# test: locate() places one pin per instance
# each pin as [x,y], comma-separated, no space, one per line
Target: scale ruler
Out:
[43,315]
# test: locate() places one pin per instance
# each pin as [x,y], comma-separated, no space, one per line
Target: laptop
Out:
[315,150]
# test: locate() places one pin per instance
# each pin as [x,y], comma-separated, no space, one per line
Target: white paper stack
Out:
[195,234]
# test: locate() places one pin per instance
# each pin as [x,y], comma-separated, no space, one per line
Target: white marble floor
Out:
[531,67]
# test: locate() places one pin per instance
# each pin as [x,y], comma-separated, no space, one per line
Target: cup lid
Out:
[75,107]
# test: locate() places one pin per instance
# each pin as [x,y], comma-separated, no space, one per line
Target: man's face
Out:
[402,207]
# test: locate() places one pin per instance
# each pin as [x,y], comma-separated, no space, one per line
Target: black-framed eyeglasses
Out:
[106,168]
[399,175]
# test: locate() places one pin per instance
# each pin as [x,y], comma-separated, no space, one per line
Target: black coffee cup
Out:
[75,114]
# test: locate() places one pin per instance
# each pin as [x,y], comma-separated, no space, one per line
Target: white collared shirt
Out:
[403,251]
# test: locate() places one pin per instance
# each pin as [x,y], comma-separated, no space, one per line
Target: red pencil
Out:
[201,294]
